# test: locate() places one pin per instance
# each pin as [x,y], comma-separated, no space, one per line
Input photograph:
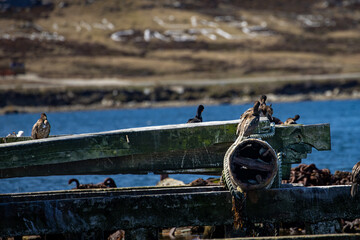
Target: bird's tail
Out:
[354,189]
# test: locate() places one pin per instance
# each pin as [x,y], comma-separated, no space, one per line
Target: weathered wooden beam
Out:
[169,148]
[339,236]
[14,139]
[76,211]
[21,139]
[110,210]
[127,142]
[316,135]
[296,141]
[303,204]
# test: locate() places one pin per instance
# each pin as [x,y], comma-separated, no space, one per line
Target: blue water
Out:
[343,117]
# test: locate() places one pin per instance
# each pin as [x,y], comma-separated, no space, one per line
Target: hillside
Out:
[79,47]
[171,39]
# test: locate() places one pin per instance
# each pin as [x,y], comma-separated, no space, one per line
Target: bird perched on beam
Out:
[270,112]
[198,117]
[41,128]
[264,110]
[263,107]
[355,178]
[249,120]
[292,120]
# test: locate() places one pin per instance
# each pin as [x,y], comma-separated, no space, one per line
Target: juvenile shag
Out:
[108,183]
[355,178]
[249,120]
[41,128]
[292,120]
[270,112]
[198,117]
[263,107]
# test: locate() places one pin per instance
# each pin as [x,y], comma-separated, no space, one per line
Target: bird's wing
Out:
[238,129]
[35,130]
[48,127]
[355,173]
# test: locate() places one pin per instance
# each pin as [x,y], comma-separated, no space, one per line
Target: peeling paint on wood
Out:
[169,148]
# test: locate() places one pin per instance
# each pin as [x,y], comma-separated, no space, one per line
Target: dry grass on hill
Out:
[233,39]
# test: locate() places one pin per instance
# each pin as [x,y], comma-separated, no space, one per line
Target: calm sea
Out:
[343,116]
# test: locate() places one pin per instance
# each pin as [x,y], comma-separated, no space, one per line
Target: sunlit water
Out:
[343,116]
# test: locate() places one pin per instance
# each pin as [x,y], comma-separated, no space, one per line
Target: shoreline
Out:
[272,98]
[30,94]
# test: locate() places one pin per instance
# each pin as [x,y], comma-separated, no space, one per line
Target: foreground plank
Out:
[111,209]
[342,236]
[303,204]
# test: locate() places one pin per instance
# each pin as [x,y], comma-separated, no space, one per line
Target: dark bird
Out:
[41,128]
[264,110]
[292,120]
[355,178]
[249,120]
[263,107]
[108,183]
[198,117]
[269,114]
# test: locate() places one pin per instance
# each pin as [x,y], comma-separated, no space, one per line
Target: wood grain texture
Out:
[168,148]
[130,208]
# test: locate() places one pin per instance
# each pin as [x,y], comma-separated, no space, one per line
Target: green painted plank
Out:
[118,143]
[169,148]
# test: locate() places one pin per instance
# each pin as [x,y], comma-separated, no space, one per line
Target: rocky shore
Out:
[92,98]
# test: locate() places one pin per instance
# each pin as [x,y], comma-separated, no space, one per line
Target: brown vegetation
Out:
[306,37]
[224,39]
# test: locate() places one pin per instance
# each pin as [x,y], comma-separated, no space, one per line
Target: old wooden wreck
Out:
[142,211]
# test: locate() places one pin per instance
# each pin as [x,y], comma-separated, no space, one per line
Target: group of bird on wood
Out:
[249,120]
